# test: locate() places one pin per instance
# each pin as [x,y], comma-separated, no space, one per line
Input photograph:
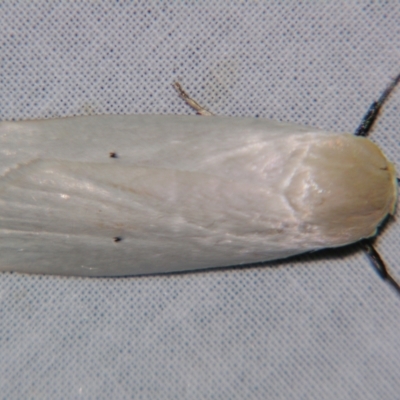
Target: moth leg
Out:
[378,264]
[192,103]
[370,117]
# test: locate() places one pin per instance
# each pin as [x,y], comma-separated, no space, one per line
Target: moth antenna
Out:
[370,117]
[378,264]
[363,130]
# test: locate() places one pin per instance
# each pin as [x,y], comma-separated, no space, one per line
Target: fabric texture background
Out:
[319,326]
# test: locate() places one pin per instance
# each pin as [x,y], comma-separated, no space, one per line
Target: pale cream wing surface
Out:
[184,193]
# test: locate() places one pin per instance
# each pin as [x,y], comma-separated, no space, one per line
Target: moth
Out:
[141,194]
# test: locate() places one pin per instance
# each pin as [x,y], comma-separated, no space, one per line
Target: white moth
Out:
[141,194]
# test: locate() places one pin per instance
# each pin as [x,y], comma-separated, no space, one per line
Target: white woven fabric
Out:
[322,326]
